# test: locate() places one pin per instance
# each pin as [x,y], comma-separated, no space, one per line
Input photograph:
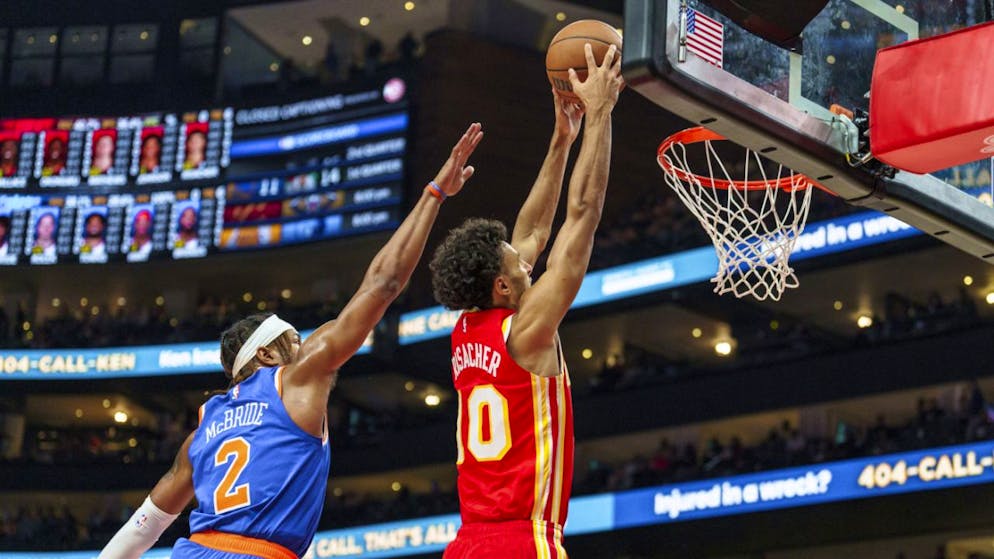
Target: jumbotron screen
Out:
[189,184]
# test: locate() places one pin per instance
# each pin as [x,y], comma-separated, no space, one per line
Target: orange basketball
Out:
[566,51]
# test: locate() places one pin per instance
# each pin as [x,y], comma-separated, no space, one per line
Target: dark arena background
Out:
[167,168]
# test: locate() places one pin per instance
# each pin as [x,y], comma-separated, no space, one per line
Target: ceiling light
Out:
[967,280]
[143,35]
[26,326]
[52,39]
[337,492]
[560,16]
[409,386]
[120,417]
[132,442]
[247,297]
[79,413]
[106,403]
[364,21]
[587,353]
[723,348]
[84,301]
[864,321]
[95,310]
[160,300]
[286,293]
[261,306]
[837,305]
[174,322]
[990,298]
[408,6]
[307,40]
[696,332]
[433,400]
[121,301]
[774,324]
[274,67]
[56,302]
[396,486]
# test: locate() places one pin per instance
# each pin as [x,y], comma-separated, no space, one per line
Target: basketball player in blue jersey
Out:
[258,462]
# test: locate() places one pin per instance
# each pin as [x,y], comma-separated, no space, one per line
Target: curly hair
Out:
[235,337]
[465,265]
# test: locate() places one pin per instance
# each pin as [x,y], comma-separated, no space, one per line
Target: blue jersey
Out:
[256,473]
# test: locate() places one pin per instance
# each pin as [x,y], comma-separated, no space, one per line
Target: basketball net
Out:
[753,221]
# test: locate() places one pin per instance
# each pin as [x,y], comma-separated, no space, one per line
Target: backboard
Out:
[712,72]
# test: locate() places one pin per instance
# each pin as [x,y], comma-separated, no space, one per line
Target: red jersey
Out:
[515,429]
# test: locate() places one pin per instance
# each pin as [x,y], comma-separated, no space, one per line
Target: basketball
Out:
[566,51]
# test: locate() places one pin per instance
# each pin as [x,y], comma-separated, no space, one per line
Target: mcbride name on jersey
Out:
[256,473]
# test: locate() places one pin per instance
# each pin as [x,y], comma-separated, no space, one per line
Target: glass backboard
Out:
[776,101]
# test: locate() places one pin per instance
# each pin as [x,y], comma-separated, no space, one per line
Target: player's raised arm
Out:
[324,351]
[534,224]
[543,307]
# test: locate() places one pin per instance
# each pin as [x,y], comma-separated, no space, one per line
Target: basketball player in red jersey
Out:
[515,426]
[258,462]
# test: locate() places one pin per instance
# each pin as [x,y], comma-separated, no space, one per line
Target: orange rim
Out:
[700,134]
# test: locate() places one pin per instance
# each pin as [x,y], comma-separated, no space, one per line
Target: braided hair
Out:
[235,337]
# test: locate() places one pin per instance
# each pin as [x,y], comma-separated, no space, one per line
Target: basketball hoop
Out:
[752,222]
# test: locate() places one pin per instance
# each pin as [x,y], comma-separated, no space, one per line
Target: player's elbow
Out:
[387,286]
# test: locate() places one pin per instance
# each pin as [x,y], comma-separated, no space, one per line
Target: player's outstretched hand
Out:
[454,173]
[569,115]
[600,90]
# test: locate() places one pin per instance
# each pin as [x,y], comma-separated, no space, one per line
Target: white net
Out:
[753,219]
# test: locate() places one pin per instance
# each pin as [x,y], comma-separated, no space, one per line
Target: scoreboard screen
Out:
[189,184]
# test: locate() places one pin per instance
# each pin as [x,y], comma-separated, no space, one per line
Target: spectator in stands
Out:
[407,47]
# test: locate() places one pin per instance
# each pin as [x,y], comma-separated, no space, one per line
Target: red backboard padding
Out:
[932,101]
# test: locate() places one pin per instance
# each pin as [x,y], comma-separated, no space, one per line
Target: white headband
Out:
[270,329]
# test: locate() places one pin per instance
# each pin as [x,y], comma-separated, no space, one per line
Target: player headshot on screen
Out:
[186,236]
[4,234]
[278,393]
[45,235]
[151,153]
[55,157]
[507,361]
[103,155]
[94,231]
[9,151]
[196,149]
[141,233]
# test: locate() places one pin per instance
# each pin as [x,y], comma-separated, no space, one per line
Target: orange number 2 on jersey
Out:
[485,401]
[227,497]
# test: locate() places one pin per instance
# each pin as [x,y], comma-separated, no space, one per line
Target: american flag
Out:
[705,37]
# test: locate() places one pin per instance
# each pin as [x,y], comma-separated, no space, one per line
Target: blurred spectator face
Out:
[143,222]
[8,151]
[94,227]
[45,228]
[196,144]
[188,219]
[151,150]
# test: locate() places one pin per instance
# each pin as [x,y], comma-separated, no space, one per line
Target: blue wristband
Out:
[436,191]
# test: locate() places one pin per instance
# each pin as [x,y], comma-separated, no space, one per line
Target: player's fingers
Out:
[609,57]
[616,65]
[468,172]
[573,78]
[588,53]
